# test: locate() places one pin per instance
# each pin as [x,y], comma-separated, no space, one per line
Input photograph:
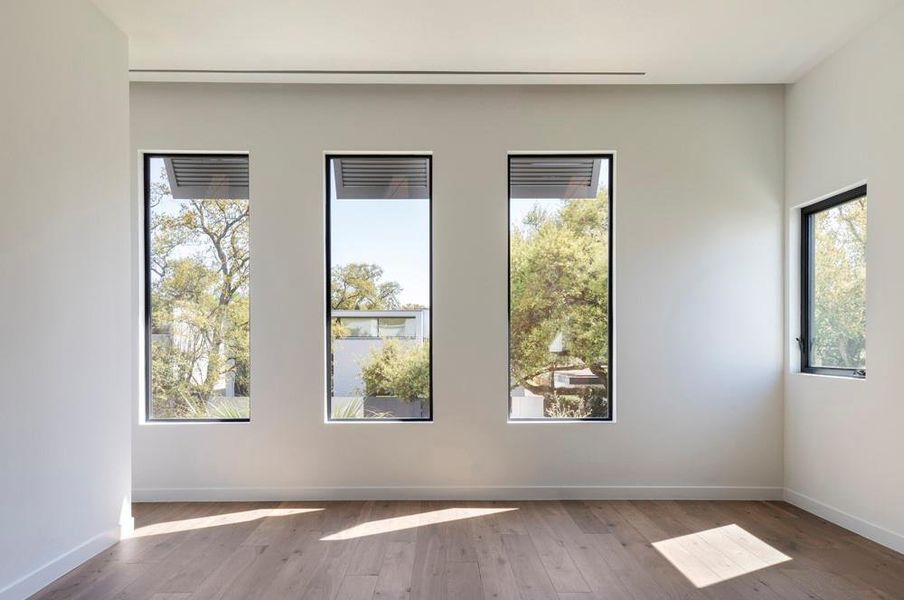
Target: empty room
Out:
[411,300]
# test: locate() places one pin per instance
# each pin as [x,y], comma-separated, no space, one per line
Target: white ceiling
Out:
[672,41]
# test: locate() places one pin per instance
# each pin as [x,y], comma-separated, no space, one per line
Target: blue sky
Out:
[394,234]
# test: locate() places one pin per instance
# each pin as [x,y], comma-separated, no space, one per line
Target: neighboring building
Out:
[366,330]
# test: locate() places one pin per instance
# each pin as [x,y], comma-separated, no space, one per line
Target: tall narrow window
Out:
[833,285]
[197,287]
[560,332]
[378,288]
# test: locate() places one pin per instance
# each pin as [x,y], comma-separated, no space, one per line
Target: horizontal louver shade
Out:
[377,177]
[199,177]
[552,177]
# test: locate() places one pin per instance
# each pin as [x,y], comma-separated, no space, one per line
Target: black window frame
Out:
[328,159]
[807,248]
[148,398]
[610,157]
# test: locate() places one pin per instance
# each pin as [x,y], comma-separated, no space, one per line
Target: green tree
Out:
[559,302]
[200,301]
[397,369]
[357,286]
[839,298]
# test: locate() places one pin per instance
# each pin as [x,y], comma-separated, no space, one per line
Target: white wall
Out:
[64,288]
[699,352]
[844,439]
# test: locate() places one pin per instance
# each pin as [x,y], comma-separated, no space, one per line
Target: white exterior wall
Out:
[350,353]
[843,437]
[64,289]
[698,245]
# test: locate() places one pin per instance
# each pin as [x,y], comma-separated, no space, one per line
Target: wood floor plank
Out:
[99,580]
[367,558]
[213,546]
[634,576]
[394,580]
[205,535]
[530,574]
[814,566]
[463,580]
[406,511]
[583,517]
[328,577]
[859,560]
[569,550]
[507,518]
[779,579]
[238,576]
[279,523]
[635,557]
[732,569]
[428,573]
[597,572]
[458,532]
[167,528]
[497,579]
[357,587]
[295,567]
[549,527]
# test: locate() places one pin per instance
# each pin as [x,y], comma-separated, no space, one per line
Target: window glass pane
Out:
[838,306]
[379,288]
[559,231]
[356,327]
[198,276]
[397,327]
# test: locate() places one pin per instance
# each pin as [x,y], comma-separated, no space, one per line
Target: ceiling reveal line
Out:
[385,72]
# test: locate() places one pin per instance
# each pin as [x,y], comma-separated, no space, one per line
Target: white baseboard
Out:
[54,569]
[871,531]
[241,494]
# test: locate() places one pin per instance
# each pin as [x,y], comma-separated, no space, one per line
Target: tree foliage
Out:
[394,368]
[839,301]
[398,369]
[560,293]
[357,286]
[200,302]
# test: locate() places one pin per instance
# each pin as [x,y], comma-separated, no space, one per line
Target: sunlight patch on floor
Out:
[217,520]
[410,521]
[719,554]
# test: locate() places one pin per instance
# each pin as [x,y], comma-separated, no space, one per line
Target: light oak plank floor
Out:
[568,550]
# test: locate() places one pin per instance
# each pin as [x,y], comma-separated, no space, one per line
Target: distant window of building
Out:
[358,327]
[381,327]
[400,327]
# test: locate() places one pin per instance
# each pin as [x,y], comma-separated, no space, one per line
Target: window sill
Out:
[195,422]
[830,376]
[511,421]
[376,421]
